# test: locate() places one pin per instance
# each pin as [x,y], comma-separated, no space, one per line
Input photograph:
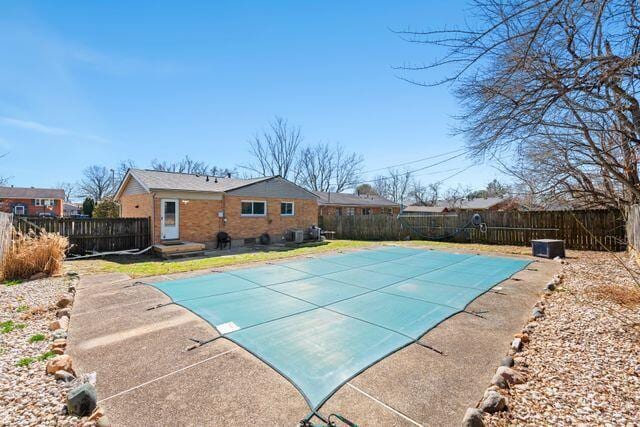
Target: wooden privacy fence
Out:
[580,229]
[93,234]
[633,228]
[5,236]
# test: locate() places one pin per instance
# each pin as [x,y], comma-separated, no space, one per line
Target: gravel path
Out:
[583,361]
[27,395]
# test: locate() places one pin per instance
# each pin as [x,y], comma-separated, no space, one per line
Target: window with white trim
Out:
[18,210]
[253,208]
[350,211]
[366,211]
[44,202]
[287,209]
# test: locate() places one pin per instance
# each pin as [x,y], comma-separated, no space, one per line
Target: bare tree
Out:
[322,167]
[275,150]
[493,189]
[69,189]
[121,170]
[456,196]
[394,185]
[553,84]
[366,190]
[188,165]
[97,182]
[348,168]
[425,195]
[315,167]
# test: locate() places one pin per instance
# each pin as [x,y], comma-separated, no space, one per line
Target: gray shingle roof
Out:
[420,209]
[157,180]
[346,199]
[31,193]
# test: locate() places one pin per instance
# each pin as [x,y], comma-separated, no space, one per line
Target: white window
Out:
[253,208]
[350,211]
[287,209]
[18,210]
[44,202]
[366,211]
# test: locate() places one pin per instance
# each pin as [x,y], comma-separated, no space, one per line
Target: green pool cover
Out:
[320,321]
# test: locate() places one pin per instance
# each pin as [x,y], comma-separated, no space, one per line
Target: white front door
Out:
[170,219]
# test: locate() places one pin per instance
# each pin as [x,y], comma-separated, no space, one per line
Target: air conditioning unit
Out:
[298,236]
[548,248]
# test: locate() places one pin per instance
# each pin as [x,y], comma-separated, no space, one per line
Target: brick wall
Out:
[6,205]
[199,221]
[376,210]
[239,227]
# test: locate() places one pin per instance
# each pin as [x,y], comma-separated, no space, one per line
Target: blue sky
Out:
[85,83]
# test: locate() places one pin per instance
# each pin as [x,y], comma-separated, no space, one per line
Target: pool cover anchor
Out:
[441,353]
[306,422]
[476,313]
[159,306]
[200,343]
[136,283]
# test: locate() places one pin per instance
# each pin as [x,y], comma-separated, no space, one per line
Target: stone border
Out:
[82,399]
[507,374]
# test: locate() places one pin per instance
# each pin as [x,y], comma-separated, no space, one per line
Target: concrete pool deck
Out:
[146,376]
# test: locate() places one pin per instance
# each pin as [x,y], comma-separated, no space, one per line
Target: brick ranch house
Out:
[30,201]
[335,204]
[195,208]
[477,204]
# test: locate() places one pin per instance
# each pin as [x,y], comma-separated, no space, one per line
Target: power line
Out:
[411,172]
[415,161]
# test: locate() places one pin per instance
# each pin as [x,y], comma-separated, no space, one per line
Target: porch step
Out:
[179,249]
[173,255]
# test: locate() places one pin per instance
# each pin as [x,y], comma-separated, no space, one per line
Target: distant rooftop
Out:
[31,193]
[346,199]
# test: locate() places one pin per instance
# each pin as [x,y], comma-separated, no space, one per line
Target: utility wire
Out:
[415,161]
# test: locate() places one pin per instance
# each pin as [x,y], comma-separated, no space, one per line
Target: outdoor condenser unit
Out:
[298,236]
[548,248]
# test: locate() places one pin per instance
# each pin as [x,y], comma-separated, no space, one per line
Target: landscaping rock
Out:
[38,276]
[65,301]
[63,312]
[63,362]
[473,418]
[550,286]
[64,376]
[537,313]
[493,402]
[516,344]
[90,378]
[97,414]
[507,361]
[511,375]
[54,325]
[82,400]
[59,334]
[523,337]
[499,381]
[59,343]
[64,323]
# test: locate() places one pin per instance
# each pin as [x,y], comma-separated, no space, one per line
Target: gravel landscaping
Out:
[28,396]
[582,360]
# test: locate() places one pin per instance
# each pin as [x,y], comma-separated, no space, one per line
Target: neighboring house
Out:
[71,209]
[195,208]
[30,201]
[478,204]
[354,204]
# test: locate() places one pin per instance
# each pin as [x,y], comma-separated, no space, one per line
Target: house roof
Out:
[473,204]
[31,193]
[345,199]
[481,203]
[419,209]
[158,180]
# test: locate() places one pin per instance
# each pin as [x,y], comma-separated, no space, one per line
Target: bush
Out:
[106,208]
[30,254]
